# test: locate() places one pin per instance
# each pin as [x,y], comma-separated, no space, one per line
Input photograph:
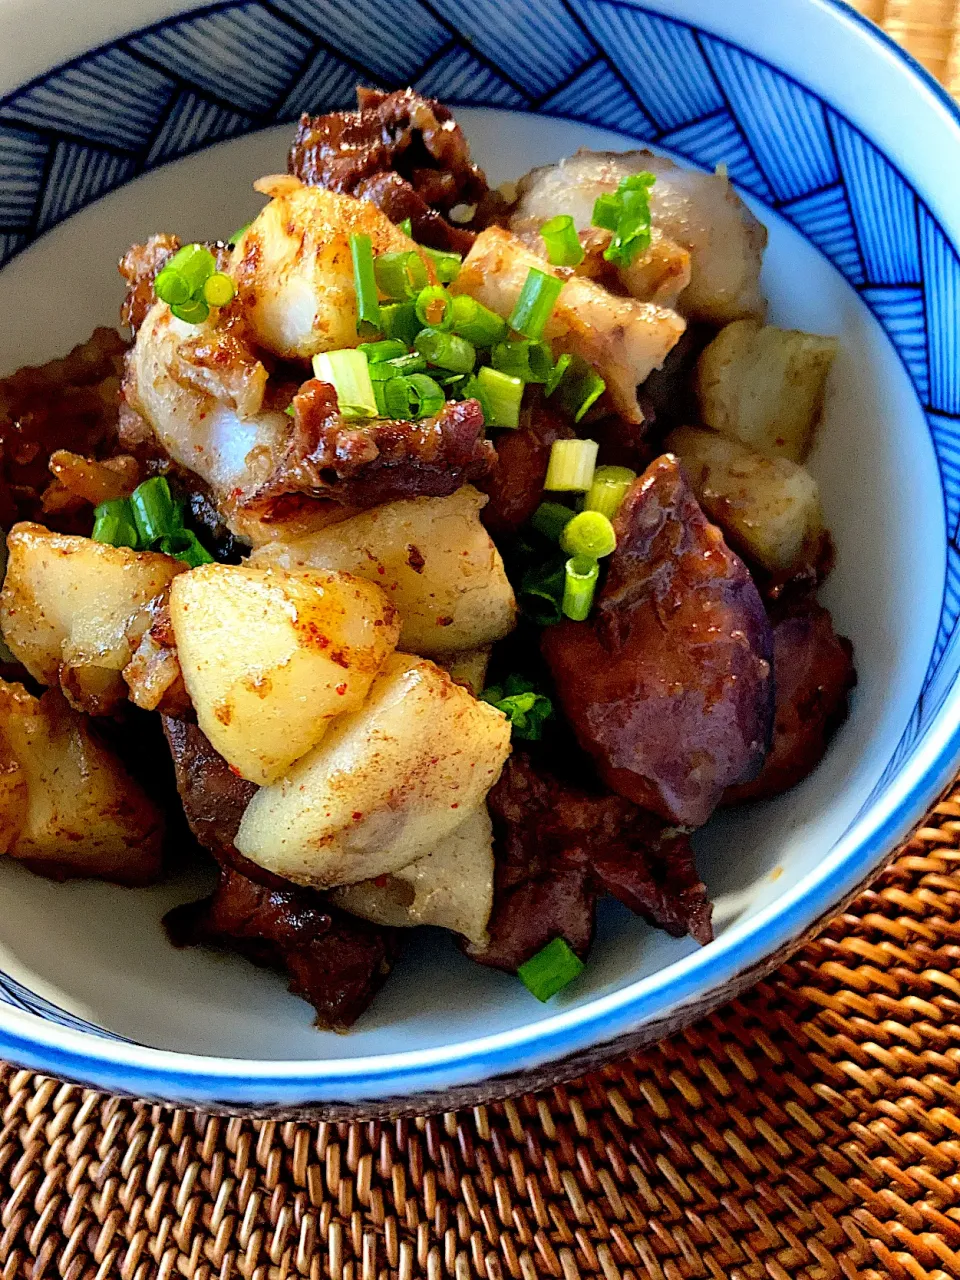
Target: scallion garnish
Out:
[608,490]
[171,287]
[446,265]
[529,361]
[406,226]
[446,350]
[114,525]
[590,535]
[500,395]
[580,388]
[218,289]
[364,282]
[550,519]
[524,707]
[556,374]
[434,307]
[571,466]
[563,244]
[153,510]
[183,544]
[413,397]
[399,367]
[195,263]
[535,304]
[239,234]
[477,323]
[348,373]
[580,584]
[400,275]
[541,593]
[388,349]
[550,970]
[399,320]
[626,212]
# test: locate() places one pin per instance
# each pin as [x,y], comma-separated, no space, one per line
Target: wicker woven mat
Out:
[808,1131]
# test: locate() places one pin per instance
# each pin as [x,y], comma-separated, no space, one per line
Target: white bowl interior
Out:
[100,951]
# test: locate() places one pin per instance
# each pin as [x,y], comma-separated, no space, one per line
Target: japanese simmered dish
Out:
[426,554]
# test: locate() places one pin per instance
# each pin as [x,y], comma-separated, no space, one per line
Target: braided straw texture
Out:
[808,1130]
[930,29]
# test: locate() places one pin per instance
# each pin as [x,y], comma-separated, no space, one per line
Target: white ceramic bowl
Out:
[850,155]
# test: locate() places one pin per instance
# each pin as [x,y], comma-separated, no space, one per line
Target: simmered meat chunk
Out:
[333,960]
[404,153]
[813,673]
[668,686]
[559,846]
[365,464]
[516,486]
[139,267]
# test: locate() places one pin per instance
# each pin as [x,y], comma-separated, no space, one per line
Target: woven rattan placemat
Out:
[808,1131]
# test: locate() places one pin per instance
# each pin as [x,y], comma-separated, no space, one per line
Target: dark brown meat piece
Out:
[139,267]
[335,961]
[813,674]
[363,464]
[558,847]
[404,153]
[67,404]
[669,686]
[516,486]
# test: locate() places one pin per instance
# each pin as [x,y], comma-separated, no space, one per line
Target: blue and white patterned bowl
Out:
[108,120]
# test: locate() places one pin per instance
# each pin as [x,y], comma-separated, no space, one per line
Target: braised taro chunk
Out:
[404,153]
[335,961]
[813,672]
[669,685]
[559,846]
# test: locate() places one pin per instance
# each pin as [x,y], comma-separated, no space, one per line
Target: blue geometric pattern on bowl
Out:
[89,126]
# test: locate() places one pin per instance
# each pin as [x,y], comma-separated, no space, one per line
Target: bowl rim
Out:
[127,1067]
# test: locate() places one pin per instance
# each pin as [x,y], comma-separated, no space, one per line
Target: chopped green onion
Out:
[541,593]
[501,396]
[153,510]
[446,265]
[606,211]
[193,312]
[590,535]
[365,282]
[563,244]
[219,289]
[388,349]
[535,305]
[403,365]
[183,544]
[608,490]
[580,389]
[580,584]
[626,212]
[399,320]
[434,307]
[240,233]
[550,519]
[550,970]
[348,373]
[400,275]
[113,524]
[446,350]
[522,705]
[556,375]
[571,466]
[195,263]
[406,226]
[413,397]
[529,361]
[477,323]
[171,287]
